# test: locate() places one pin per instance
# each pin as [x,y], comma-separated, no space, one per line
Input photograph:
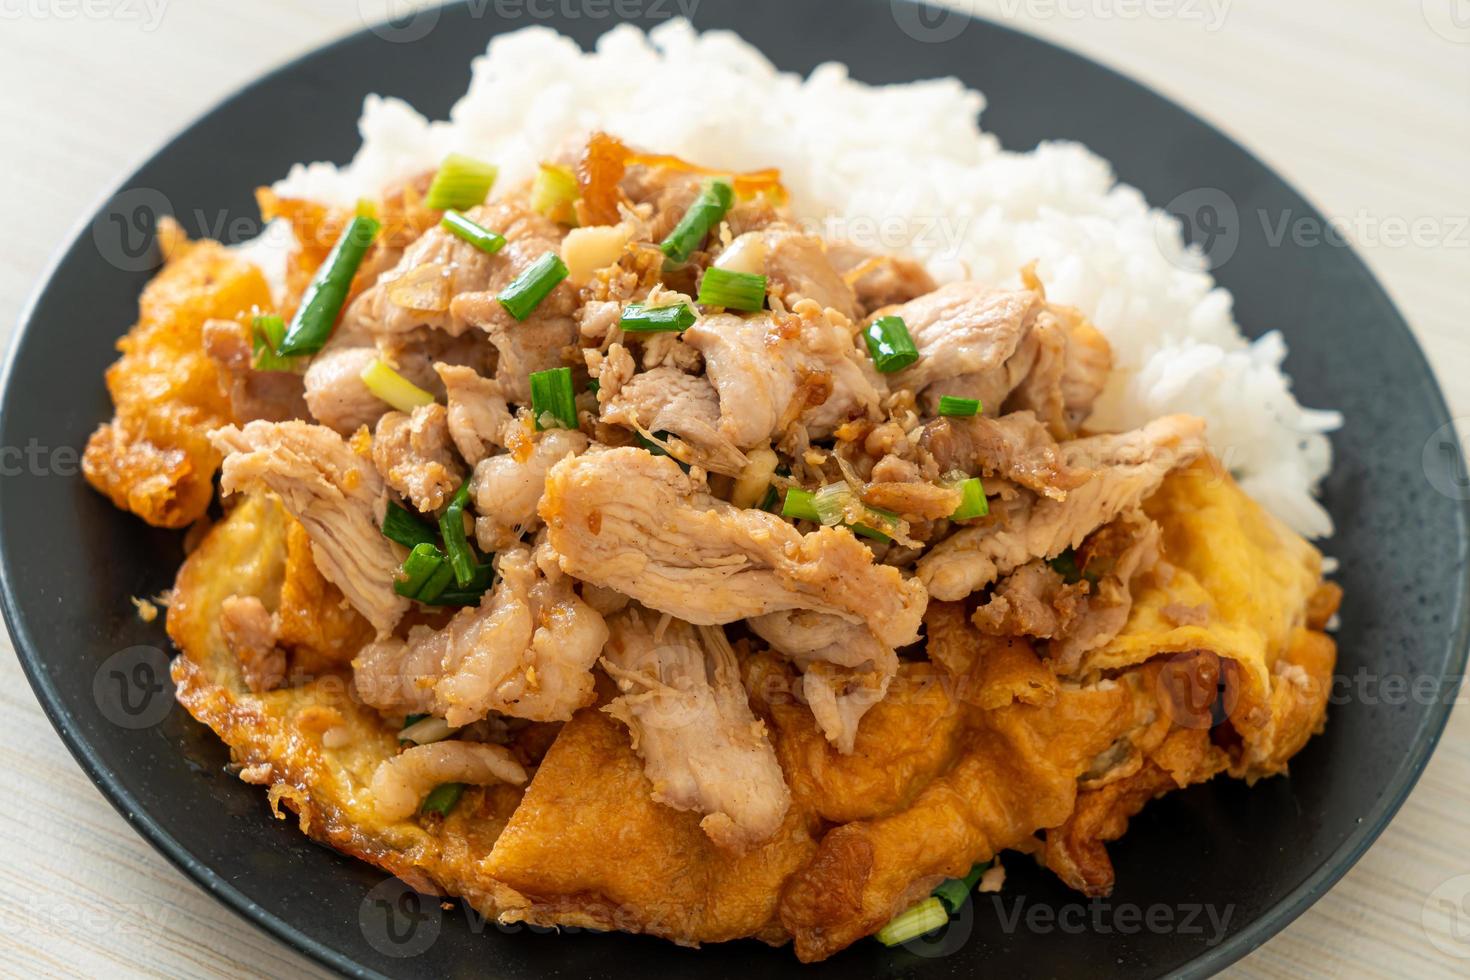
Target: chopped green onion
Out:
[312,324]
[657,450]
[912,923]
[1067,567]
[863,531]
[768,502]
[366,208]
[393,387]
[424,729]
[704,214]
[456,545]
[402,526]
[527,290]
[952,892]
[553,193]
[889,344]
[801,505]
[958,407]
[552,403]
[462,182]
[477,235]
[422,566]
[972,501]
[833,502]
[266,334]
[594,386]
[442,798]
[744,291]
[468,595]
[637,318]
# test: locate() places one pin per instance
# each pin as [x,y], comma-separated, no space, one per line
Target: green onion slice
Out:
[404,527]
[421,568]
[477,235]
[456,544]
[552,402]
[394,388]
[462,182]
[527,290]
[889,344]
[952,892]
[972,502]
[912,923]
[745,291]
[637,318]
[312,324]
[553,193]
[800,504]
[704,214]
[266,334]
[442,798]
[469,595]
[958,407]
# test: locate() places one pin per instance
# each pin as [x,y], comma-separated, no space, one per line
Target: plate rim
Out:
[1330,869]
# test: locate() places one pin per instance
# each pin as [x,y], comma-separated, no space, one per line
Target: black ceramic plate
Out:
[1204,876]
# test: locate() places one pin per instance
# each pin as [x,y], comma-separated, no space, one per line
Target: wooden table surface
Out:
[1363,104]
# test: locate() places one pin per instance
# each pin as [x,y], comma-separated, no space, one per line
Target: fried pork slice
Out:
[444,283]
[774,370]
[865,872]
[845,669]
[414,457]
[702,747]
[879,280]
[526,651]
[271,395]
[590,847]
[1083,616]
[477,412]
[335,392]
[507,488]
[250,635]
[1016,446]
[668,400]
[1127,467]
[794,263]
[337,496]
[635,522]
[400,784]
[966,334]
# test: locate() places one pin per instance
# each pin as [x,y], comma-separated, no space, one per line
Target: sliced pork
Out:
[507,488]
[477,412]
[635,522]
[702,747]
[337,496]
[1127,467]
[414,456]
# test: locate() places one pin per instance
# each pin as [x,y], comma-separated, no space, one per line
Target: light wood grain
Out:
[1360,103]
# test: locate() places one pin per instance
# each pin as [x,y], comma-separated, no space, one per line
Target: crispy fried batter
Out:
[589,847]
[315,745]
[313,620]
[154,457]
[988,671]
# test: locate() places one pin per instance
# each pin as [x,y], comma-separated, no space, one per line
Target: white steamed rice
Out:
[905,168]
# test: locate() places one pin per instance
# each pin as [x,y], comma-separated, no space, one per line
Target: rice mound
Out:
[927,182]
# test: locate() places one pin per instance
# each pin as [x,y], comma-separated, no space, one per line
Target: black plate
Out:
[1251,858]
